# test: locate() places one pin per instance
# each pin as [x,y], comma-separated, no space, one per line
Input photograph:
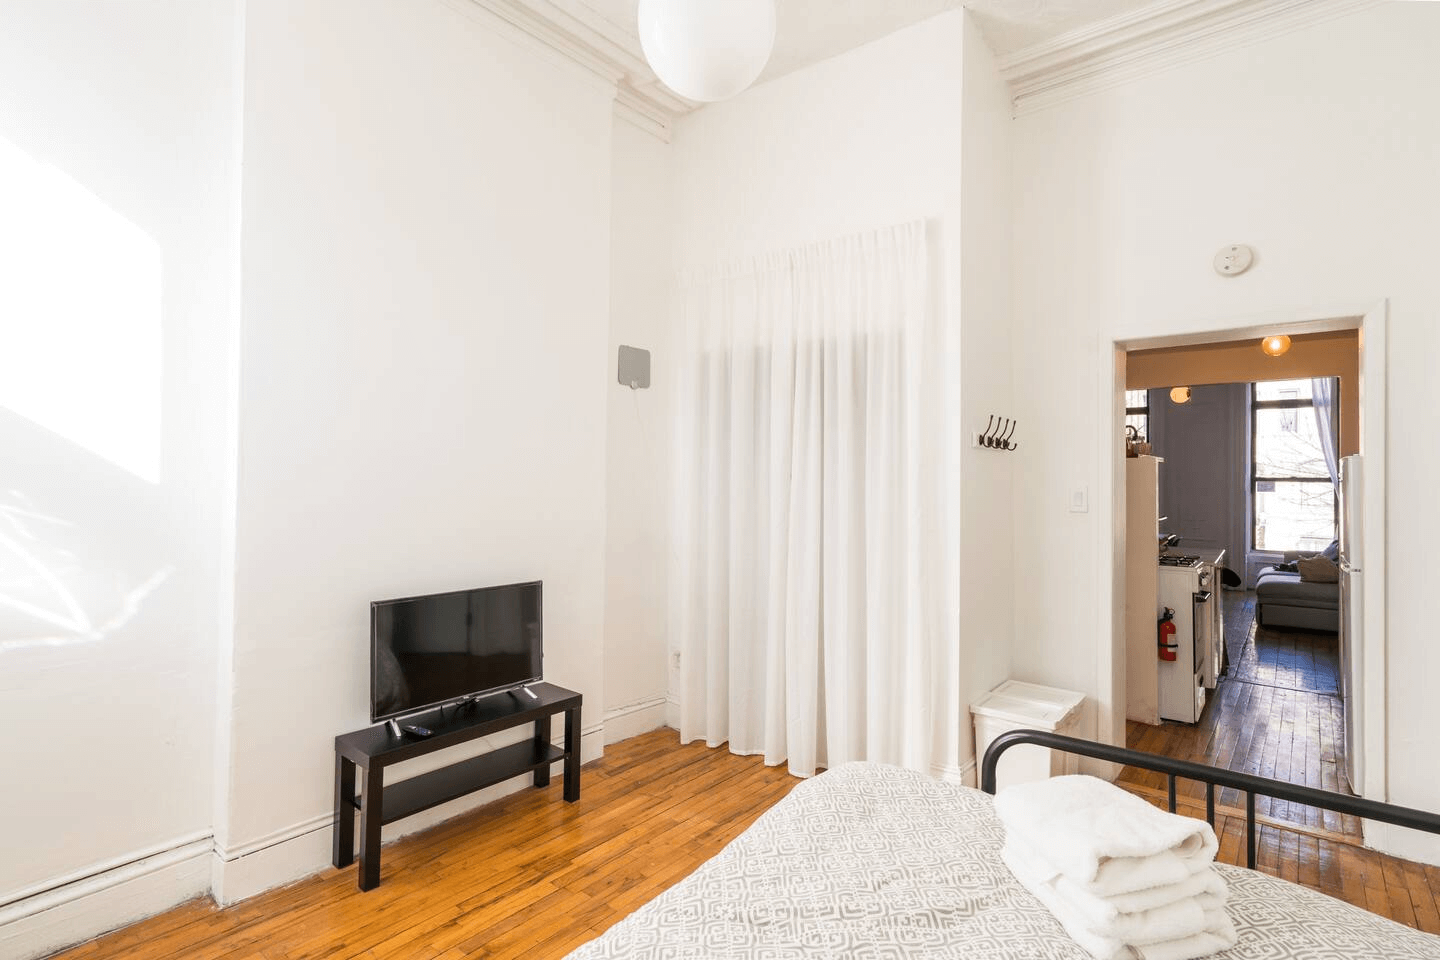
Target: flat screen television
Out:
[426,651]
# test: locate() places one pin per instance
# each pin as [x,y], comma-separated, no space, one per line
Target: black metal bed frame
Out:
[1212,777]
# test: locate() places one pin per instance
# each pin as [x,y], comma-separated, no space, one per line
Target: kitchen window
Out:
[1292,495]
[1137,411]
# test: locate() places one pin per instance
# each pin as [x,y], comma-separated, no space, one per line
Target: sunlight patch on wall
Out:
[42,579]
[80,316]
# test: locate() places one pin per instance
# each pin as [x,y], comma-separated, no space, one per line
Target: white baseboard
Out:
[963,774]
[672,712]
[635,718]
[293,853]
[1402,842]
[304,849]
[80,908]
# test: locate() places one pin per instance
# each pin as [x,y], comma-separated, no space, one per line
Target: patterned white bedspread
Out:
[872,861]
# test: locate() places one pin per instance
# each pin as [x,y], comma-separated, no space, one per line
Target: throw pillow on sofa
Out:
[1318,570]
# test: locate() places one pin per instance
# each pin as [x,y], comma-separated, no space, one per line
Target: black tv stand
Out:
[375,748]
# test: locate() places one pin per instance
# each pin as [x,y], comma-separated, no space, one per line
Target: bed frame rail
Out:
[1212,777]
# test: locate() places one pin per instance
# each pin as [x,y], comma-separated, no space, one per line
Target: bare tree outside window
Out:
[1293,495]
[1137,412]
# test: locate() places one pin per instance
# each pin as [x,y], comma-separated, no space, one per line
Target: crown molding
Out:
[1105,54]
[1151,39]
[575,30]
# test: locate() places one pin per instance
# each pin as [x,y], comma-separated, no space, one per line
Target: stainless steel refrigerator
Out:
[1352,614]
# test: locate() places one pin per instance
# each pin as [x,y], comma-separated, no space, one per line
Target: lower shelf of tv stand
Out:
[408,797]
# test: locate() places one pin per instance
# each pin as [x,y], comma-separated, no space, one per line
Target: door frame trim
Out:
[1371,319]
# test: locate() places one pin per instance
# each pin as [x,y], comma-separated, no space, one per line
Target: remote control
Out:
[415,730]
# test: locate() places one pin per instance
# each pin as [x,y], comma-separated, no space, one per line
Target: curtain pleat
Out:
[808,610]
[1322,391]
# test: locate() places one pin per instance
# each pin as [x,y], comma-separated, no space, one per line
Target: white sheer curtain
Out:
[810,551]
[1322,391]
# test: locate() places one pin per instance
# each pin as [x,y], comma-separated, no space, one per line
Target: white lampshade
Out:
[707,49]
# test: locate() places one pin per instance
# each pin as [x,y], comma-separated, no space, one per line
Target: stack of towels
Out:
[1126,879]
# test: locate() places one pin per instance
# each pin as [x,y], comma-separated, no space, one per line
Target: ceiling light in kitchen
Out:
[1275,346]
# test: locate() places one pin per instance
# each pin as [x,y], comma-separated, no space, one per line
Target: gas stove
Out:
[1179,560]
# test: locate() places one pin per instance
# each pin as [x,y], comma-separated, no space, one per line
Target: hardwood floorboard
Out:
[1276,713]
[530,876]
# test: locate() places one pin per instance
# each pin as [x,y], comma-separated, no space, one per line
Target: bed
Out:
[873,861]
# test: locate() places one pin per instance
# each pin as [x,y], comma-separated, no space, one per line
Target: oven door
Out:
[1200,626]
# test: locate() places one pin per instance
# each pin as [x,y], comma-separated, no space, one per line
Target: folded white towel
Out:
[1216,933]
[1121,876]
[1083,824]
[1207,886]
[1158,913]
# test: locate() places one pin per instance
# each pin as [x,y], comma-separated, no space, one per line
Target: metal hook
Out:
[998,433]
[1005,440]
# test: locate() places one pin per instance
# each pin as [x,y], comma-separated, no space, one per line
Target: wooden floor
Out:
[1276,713]
[533,876]
[528,876]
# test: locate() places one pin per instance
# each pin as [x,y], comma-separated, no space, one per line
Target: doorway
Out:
[1247,480]
[1369,666]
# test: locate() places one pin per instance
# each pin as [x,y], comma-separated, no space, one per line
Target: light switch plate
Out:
[1080,500]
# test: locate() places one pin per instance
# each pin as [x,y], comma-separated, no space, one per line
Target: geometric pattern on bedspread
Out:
[873,861]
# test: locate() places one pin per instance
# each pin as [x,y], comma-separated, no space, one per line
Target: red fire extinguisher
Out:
[1166,627]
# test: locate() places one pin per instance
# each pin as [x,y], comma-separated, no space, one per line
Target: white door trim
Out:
[1371,732]
[1371,320]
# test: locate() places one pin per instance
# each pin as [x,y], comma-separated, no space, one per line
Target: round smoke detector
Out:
[1234,260]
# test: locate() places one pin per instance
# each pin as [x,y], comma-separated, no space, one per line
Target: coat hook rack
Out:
[997,434]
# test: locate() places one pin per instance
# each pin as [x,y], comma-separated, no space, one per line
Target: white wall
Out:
[426,296]
[637,554]
[116,145]
[871,138]
[1319,148]
[987,549]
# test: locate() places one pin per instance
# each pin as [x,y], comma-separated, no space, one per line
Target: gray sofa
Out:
[1282,599]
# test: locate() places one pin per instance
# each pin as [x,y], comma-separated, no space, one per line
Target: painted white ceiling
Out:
[808,31]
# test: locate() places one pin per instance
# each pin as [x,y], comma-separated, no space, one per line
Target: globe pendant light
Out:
[707,49]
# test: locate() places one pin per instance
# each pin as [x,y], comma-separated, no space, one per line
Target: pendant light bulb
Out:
[707,50]
[1179,394]
[1275,346]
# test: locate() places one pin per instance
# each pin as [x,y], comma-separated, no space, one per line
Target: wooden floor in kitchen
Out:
[1277,713]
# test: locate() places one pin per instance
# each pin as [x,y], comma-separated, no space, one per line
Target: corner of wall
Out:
[637,534]
[987,380]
